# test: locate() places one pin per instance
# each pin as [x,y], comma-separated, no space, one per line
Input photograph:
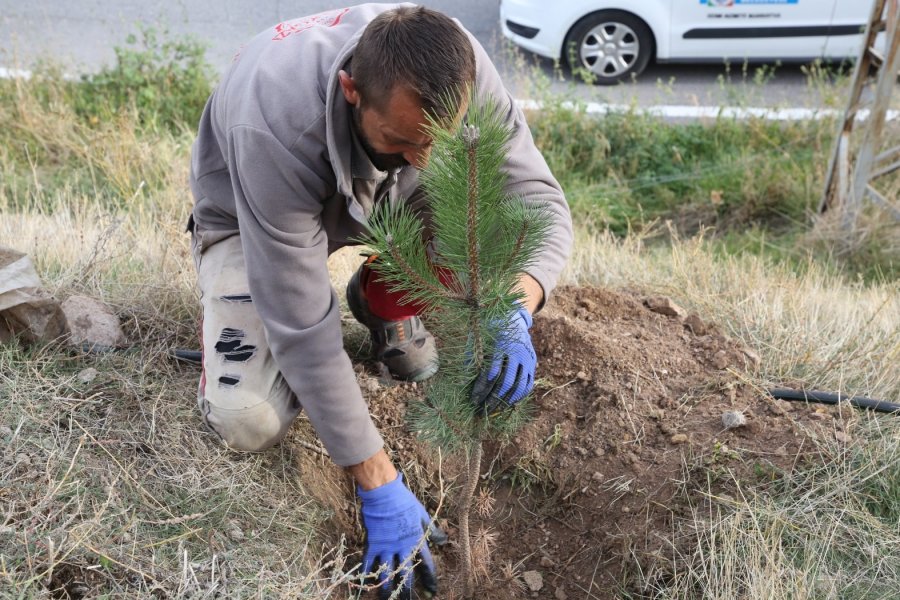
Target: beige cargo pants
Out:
[242,395]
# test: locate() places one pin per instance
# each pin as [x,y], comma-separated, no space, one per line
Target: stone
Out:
[88,375]
[581,375]
[678,438]
[546,562]
[818,416]
[664,306]
[560,594]
[534,580]
[92,324]
[733,419]
[842,437]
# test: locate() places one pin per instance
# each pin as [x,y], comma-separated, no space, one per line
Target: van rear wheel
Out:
[609,46]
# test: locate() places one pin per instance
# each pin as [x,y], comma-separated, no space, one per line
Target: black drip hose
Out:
[191,356]
[194,356]
[829,398]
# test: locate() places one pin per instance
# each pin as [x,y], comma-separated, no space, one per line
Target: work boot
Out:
[405,347]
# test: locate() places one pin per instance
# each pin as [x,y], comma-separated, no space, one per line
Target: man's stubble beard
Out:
[382,162]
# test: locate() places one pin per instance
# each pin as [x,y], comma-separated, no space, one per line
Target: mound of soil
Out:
[628,422]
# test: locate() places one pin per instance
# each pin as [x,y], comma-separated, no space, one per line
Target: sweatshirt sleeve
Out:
[278,199]
[529,176]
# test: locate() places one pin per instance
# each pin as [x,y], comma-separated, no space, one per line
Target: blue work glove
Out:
[395,523]
[511,374]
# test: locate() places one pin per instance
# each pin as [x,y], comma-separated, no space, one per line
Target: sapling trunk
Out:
[473,471]
[483,240]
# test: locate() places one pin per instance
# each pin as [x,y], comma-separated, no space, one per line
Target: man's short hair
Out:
[421,49]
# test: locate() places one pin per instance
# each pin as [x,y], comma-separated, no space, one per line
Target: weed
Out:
[165,81]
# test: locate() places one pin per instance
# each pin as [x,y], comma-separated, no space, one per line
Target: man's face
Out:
[395,136]
[383,161]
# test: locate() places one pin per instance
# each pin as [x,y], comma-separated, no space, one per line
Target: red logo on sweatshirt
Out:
[289,28]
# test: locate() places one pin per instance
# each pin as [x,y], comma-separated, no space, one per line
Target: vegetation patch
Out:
[109,487]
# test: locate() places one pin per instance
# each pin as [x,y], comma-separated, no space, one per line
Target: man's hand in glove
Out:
[395,523]
[510,376]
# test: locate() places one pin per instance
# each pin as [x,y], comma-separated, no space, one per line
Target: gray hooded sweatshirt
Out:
[275,161]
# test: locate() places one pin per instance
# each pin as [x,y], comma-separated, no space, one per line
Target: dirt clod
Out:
[664,306]
[678,438]
[695,325]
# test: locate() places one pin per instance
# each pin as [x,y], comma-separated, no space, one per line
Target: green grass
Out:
[628,169]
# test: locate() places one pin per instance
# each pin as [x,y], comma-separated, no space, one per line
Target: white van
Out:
[615,40]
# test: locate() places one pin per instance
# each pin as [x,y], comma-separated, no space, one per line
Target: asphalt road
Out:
[81,35]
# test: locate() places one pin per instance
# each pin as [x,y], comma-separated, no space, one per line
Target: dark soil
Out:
[627,435]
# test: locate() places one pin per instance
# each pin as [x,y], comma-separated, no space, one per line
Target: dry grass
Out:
[826,532]
[110,487]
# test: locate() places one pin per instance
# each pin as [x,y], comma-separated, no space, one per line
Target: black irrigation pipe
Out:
[191,356]
[830,398]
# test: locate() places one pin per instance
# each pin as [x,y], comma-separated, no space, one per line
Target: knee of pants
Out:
[254,424]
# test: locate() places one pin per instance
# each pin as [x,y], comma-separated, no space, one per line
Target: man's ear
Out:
[348,86]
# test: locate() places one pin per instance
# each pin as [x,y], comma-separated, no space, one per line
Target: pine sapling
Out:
[465,272]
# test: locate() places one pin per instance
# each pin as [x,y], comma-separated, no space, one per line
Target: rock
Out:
[597,476]
[92,324]
[560,594]
[583,376]
[842,437]
[733,418]
[695,325]
[88,375]
[546,562]
[236,535]
[818,416]
[5,432]
[534,580]
[678,438]
[664,306]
